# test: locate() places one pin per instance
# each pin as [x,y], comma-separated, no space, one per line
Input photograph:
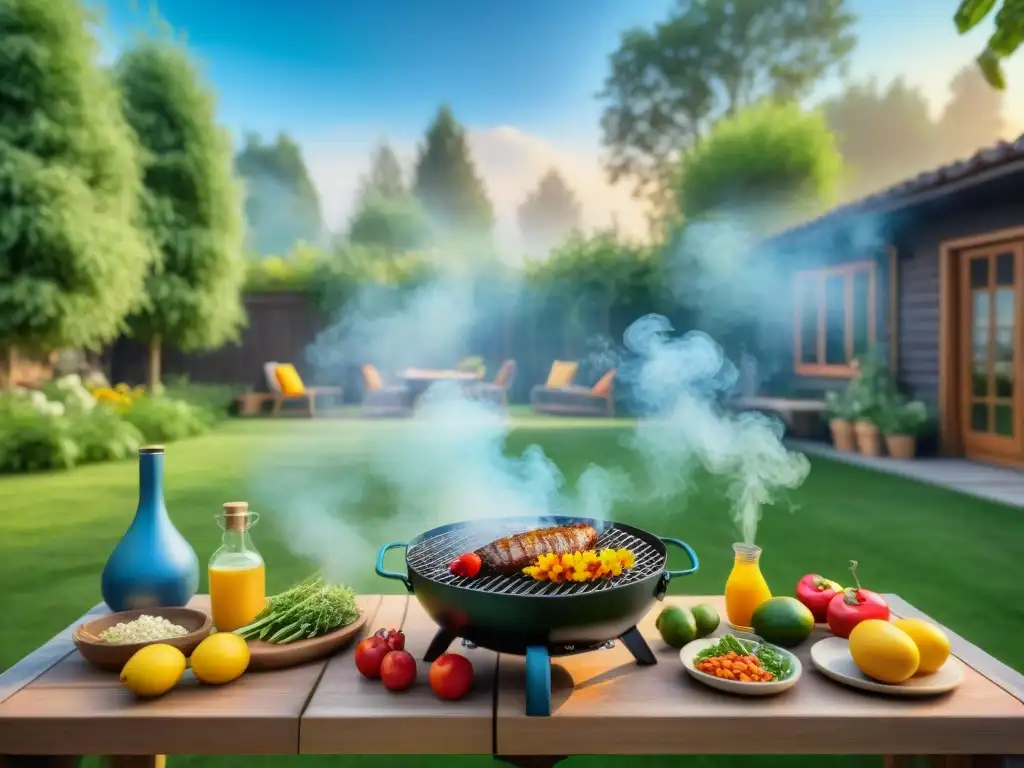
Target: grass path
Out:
[957,558]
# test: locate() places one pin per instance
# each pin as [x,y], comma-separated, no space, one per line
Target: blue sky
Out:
[534,64]
[339,74]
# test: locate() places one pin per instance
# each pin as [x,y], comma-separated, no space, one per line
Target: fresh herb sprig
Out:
[308,609]
[772,661]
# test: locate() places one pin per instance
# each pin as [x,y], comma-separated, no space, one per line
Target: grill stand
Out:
[538,664]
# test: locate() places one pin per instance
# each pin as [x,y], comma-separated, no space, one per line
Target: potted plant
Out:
[868,390]
[901,423]
[840,421]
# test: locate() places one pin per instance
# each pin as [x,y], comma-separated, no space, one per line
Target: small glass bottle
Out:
[238,578]
[745,588]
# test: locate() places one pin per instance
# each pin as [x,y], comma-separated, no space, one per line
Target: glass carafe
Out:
[745,588]
[238,581]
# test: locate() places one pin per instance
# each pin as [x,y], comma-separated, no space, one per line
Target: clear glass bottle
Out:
[238,578]
[745,588]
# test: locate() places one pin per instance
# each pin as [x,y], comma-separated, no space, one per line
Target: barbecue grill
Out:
[518,615]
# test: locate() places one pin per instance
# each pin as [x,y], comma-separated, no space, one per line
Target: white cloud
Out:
[510,162]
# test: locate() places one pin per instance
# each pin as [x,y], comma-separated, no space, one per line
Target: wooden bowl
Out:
[114,657]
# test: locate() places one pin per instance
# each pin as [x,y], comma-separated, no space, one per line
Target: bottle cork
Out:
[236,515]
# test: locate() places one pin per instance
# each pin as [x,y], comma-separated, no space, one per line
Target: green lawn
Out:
[954,557]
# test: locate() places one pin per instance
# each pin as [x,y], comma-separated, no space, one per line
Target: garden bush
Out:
[66,424]
[162,419]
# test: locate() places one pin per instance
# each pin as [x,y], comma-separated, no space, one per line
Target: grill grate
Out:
[430,560]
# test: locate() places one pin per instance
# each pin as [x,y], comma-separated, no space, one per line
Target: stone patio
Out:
[982,481]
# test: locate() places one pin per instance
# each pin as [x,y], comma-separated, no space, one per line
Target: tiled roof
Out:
[1003,153]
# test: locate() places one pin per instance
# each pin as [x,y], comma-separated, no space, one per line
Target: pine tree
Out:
[193,203]
[446,181]
[384,179]
[72,260]
[282,205]
[548,214]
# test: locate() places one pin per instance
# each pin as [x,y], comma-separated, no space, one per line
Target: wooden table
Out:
[53,703]
[419,380]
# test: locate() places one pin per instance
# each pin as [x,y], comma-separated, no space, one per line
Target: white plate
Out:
[831,657]
[690,651]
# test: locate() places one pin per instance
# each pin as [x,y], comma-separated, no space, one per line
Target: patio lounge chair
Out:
[571,400]
[285,385]
[380,399]
[495,391]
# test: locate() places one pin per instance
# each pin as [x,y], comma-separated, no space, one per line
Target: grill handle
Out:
[402,577]
[669,575]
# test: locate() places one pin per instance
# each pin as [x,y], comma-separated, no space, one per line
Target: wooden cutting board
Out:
[265,656]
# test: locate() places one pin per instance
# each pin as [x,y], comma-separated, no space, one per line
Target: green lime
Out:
[783,621]
[707,619]
[677,626]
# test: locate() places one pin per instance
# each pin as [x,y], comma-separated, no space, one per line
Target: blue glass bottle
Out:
[153,565]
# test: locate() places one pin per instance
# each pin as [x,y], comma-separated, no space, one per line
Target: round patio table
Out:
[418,380]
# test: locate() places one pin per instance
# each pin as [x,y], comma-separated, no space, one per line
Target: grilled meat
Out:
[512,554]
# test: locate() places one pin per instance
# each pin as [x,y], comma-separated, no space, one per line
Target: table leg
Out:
[38,761]
[532,761]
[137,761]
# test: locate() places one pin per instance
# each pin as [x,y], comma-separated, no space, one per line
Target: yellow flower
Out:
[581,566]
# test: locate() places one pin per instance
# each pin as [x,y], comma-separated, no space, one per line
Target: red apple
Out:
[451,676]
[398,671]
[369,655]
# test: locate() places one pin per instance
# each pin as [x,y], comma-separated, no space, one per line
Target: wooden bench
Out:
[252,403]
[801,417]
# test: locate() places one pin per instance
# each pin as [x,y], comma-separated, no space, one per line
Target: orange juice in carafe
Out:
[745,588]
[238,580]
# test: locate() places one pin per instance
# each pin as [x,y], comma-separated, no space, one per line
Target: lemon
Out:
[931,642]
[883,651]
[153,670]
[220,658]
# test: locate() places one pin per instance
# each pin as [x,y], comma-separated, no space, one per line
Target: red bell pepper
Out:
[854,605]
[816,592]
[467,565]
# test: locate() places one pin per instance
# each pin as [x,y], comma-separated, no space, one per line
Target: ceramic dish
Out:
[270,656]
[114,657]
[831,657]
[690,651]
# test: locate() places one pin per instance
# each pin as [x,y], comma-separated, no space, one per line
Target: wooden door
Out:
[991,361]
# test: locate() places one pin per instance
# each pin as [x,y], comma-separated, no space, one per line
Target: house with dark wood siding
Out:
[932,272]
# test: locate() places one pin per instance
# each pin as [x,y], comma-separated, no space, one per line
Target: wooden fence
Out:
[282,326]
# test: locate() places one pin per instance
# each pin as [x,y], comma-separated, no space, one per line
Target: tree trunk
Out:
[8,364]
[154,364]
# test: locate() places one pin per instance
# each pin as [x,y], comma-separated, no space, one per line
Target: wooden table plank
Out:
[617,707]
[42,659]
[76,709]
[349,714]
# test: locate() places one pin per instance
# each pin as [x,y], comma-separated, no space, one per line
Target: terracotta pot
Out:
[842,435]
[869,439]
[901,446]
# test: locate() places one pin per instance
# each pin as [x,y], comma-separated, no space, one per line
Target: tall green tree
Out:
[282,205]
[446,181]
[193,203]
[72,261]
[548,214]
[874,155]
[773,157]
[1005,39]
[973,116]
[384,179]
[766,168]
[669,84]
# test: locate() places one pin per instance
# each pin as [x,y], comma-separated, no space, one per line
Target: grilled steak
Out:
[512,554]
